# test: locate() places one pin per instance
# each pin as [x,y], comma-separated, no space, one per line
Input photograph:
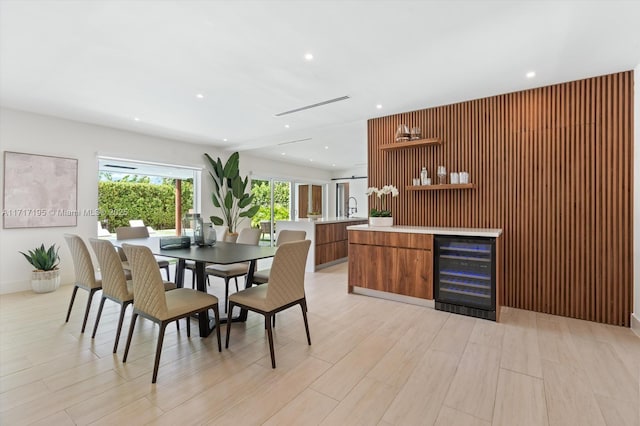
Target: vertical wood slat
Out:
[552,168]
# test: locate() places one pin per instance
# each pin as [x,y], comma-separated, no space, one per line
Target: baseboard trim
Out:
[394,297]
[15,287]
[635,323]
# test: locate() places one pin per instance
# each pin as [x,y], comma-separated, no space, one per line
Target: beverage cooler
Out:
[465,276]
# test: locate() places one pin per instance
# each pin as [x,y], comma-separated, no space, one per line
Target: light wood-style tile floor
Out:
[372,362]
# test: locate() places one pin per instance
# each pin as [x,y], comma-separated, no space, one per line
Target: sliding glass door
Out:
[274,198]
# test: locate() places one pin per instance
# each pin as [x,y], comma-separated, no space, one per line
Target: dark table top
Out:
[222,253]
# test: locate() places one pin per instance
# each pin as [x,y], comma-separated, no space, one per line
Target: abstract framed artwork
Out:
[39,191]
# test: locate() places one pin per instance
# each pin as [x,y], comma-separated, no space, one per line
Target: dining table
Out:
[222,253]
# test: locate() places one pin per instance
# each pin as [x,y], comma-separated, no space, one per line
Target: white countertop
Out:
[469,232]
[328,220]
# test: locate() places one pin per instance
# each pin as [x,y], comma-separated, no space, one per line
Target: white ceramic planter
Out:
[45,281]
[381,221]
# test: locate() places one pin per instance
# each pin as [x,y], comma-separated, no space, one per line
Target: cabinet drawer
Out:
[391,239]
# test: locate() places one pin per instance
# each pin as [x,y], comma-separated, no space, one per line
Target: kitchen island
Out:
[329,238]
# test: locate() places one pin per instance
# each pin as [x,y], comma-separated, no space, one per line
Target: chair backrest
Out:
[130,232]
[148,287]
[82,265]
[221,232]
[136,223]
[265,227]
[250,236]
[103,232]
[286,280]
[114,281]
[288,235]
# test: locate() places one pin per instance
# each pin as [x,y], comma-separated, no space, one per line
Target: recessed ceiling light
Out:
[136,119]
[333,165]
[286,126]
[308,56]
[379,106]
[326,147]
[225,139]
[531,74]
[284,153]
[199,96]
[310,159]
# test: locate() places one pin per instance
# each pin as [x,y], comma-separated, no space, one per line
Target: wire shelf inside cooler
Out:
[465,275]
[474,259]
[465,292]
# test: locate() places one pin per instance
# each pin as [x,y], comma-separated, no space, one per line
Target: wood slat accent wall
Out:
[553,168]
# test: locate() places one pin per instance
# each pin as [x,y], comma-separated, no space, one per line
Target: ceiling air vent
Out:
[296,141]
[330,101]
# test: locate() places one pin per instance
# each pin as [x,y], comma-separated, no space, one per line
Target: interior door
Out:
[316,198]
[303,201]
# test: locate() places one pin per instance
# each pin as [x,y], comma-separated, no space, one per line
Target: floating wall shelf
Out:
[441,187]
[410,144]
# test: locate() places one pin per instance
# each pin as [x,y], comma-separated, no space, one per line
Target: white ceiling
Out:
[107,62]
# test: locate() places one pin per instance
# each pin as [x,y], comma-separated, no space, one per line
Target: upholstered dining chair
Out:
[152,302]
[115,285]
[284,290]
[285,236]
[221,234]
[131,232]
[86,278]
[249,236]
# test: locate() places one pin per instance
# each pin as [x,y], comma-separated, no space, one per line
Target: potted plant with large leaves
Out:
[46,275]
[230,193]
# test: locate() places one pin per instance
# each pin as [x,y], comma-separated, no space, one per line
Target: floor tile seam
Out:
[466,412]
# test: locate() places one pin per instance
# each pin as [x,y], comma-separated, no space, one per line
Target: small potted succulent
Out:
[314,215]
[46,275]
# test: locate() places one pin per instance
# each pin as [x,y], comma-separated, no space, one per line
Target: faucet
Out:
[350,209]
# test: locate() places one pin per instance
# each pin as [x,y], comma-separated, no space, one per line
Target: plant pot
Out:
[314,216]
[231,237]
[45,281]
[381,221]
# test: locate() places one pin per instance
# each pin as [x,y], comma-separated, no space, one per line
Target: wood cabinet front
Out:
[400,263]
[332,241]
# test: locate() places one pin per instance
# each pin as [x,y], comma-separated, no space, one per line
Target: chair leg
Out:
[131,327]
[188,326]
[216,314]
[270,335]
[237,289]
[303,305]
[226,344]
[166,268]
[193,279]
[95,326]
[73,297]
[156,363]
[123,308]
[86,311]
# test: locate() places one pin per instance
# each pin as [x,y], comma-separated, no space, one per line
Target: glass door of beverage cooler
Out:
[465,272]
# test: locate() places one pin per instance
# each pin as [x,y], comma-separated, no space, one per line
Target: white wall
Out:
[38,134]
[636,196]
[357,189]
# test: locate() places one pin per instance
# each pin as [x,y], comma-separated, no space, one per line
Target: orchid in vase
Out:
[382,195]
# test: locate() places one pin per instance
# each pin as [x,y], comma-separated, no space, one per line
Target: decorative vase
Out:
[231,237]
[45,281]
[381,221]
